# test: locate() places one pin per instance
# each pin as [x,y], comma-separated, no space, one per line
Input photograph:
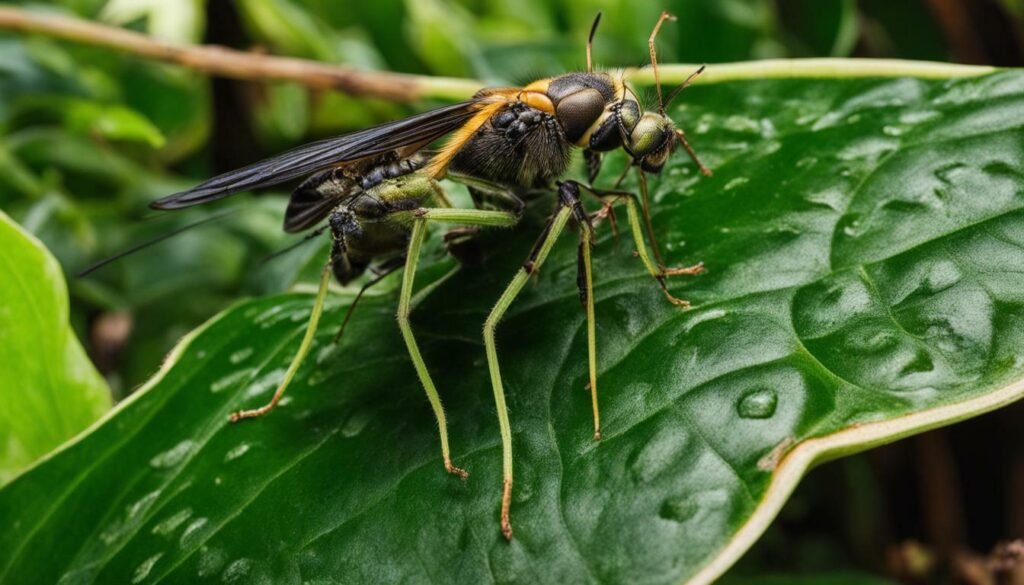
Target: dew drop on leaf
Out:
[229,380]
[356,423]
[172,456]
[172,523]
[143,570]
[737,182]
[192,532]
[237,452]
[240,355]
[759,403]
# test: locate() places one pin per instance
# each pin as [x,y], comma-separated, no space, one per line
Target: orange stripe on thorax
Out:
[493,103]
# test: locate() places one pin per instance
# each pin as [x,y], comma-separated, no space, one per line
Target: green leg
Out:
[419,231]
[587,284]
[569,207]
[656,271]
[307,342]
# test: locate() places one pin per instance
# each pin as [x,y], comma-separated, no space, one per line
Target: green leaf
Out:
[49,390]
[863,238]
[181,22]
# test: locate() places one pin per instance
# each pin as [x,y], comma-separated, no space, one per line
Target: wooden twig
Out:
[225,62]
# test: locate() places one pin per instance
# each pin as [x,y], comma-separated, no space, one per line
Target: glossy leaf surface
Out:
[863,239]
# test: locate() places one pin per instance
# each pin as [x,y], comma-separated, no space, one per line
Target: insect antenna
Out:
[654,56]
[590,43]
[165,236]
[672,95]
[311,235]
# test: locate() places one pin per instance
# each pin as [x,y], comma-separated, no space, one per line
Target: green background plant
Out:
[51,389]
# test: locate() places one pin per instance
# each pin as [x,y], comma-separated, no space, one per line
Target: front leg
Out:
[656,270]
[568,207]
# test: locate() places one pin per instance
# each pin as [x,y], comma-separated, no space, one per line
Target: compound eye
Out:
[578,112]
[649,135]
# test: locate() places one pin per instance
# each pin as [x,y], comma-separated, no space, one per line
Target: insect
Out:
[378,192]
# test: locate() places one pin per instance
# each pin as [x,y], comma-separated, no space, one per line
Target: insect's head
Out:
[649,137]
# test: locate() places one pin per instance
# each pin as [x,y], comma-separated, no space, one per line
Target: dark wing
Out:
[314,199]
[418,130]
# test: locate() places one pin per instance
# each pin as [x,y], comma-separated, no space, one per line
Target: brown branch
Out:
[225,62]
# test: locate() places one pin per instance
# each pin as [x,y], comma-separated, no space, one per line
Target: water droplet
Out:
[236,570]
[759,403]
[769,148]
[806,162]
[273,316]
[701,317]
[132,516]
[230,380]
[737,182]
[679,509]
[192,532]
[142,571]
[741,124]
[237,452]
[172,456]
[356,423]
[143,504]
[300,315]
[172,523]
[240,355]
[853,225]
[893,130]
[326,352]
[201,354]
